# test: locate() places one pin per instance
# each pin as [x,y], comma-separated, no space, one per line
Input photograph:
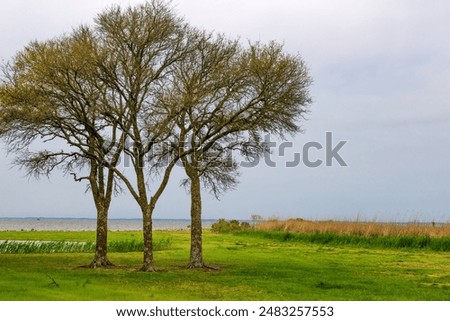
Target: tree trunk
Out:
[101,247]
[196,255]
[148,241]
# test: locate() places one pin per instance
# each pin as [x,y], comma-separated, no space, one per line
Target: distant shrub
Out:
[245,226]
[224,226]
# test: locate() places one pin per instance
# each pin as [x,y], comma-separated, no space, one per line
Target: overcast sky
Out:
[381,74]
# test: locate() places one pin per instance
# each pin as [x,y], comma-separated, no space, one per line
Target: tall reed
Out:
[355,228]
[26,247]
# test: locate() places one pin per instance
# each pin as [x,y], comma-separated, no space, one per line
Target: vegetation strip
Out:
[37,246]
[356,228]
[329,238]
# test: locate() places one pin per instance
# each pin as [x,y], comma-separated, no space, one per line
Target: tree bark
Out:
[102,202]
[148,241]
[196,254]
[147,213]
[101,247]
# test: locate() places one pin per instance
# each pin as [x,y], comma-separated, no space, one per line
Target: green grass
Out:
[253,267]
[69,236]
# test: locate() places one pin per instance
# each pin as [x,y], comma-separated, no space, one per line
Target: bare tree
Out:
[141,77]
[227,98]
[100,101]
[50,93]
[142,44]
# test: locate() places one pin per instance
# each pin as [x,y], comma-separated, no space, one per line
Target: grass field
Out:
[253,267]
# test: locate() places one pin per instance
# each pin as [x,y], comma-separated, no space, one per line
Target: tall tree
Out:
[142,44]
[50,92]
[105,102]
[227,99]
[142,76]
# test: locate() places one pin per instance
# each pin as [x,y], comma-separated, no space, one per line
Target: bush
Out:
[224,226]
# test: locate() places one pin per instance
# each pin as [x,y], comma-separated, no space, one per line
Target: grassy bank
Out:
[253,267]
[378,241]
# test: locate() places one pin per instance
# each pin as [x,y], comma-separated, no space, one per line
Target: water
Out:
[63,224]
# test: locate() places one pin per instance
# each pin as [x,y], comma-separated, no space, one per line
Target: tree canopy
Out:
[138,78]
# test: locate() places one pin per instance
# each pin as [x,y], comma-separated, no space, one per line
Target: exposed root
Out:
[99,263]
[147,268]
[201,265]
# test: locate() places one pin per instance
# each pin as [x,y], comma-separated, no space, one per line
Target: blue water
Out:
[76,224]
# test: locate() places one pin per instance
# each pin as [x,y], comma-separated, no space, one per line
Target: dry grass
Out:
[354,228]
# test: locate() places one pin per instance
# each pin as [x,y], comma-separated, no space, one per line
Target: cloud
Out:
[327,32]
[381,74]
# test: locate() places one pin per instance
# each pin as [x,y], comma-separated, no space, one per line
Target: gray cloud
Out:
[381,74]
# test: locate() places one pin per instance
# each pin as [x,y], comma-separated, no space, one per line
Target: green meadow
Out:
[253,266]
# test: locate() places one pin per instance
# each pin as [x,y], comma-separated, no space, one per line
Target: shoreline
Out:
[74,224]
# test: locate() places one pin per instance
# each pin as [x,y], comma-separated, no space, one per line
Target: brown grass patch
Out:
[355,228]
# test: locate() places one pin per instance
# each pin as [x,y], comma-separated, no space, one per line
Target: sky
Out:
[381,73]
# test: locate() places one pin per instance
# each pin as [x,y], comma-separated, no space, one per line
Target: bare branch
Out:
[79,179]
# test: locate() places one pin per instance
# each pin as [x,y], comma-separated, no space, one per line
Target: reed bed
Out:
[329,238]
[367,229]
[357,234]
[27,247]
